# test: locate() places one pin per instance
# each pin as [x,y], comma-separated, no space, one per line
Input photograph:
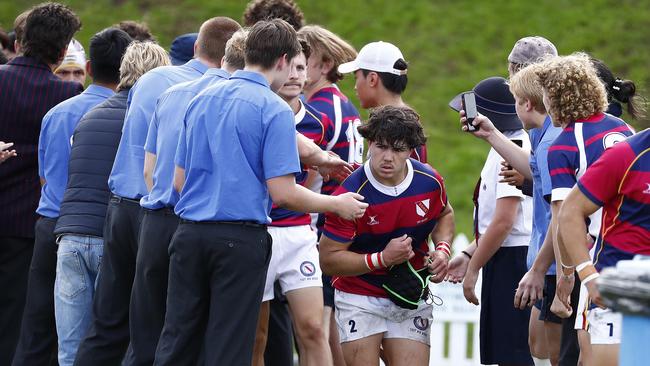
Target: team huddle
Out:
[208,205]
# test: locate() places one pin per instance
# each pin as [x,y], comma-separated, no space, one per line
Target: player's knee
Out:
[311,331]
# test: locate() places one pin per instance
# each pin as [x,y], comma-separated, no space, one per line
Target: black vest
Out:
[94,145]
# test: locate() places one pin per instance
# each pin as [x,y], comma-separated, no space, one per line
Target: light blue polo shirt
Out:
[164,133]
[127,178]
[55,142]
[238,134]
[541,140]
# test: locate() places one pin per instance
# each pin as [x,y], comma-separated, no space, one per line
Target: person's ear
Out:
[88,69]
[373,79]
[327,67]
[529,106]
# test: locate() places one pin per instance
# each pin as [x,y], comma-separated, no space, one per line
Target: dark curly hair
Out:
[286,10]
[138,31]
[49,27]
[394,126]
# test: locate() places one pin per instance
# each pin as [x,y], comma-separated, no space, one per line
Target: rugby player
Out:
[408,203]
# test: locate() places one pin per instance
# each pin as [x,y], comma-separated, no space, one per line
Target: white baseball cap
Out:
[376,56]
[75,56]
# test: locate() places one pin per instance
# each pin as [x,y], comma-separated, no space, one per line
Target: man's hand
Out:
[594,294]
[469,284]
[484,126]
[4,153]
[510,175]
[438,265]
[562,302]
[350,205]
[530,289]
[398,250]
[457,269]
[335,168]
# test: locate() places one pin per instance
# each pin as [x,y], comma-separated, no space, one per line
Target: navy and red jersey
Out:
[420,153]
[412,208]
[341,131]
[578,146]
[620,182]
[310,123]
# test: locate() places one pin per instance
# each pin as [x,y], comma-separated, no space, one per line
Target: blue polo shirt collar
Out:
[100,91]
[197,65]
[253,76]
[215,71]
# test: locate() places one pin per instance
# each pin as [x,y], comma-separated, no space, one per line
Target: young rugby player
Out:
[381,261]
[616,183]
[380,74]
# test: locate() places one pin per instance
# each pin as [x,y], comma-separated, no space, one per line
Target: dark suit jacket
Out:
[28,89]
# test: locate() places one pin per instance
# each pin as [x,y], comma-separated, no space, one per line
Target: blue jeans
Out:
[77,265]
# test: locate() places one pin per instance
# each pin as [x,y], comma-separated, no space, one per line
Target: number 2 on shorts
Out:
[352,324]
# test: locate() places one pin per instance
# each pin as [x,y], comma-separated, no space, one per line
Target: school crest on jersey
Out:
[422,207]
[612,138]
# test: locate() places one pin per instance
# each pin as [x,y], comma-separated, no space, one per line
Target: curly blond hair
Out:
[572,87]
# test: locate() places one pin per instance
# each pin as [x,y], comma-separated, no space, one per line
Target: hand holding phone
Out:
[468,101]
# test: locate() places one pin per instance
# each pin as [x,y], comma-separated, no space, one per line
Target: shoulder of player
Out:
[426,173]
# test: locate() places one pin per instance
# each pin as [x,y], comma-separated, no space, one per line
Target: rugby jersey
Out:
[578,146]
[341,130]
[620,182]
[311,123]
[412,207]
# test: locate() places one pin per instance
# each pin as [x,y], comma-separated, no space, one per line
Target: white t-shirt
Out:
[491,190]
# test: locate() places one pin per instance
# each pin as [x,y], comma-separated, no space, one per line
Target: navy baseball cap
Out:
[182,49]
[494,100]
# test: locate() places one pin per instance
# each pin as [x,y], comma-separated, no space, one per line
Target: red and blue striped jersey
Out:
[412,208]
[341,133]
[578,146]
[311,123]
[620,182]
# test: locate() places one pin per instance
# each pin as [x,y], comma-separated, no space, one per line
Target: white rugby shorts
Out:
[359,316]
[604,326]
[294,260]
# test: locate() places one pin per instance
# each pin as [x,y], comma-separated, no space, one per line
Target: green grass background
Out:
[450,46]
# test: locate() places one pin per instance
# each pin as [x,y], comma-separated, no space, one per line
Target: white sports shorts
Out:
[294,260]
[604,326]
[359,316]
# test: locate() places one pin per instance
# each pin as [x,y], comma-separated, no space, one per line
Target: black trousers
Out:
[108,336]
[37,344]
[279,346]
[15,257]
[216,282]
[569,347]
[149,294]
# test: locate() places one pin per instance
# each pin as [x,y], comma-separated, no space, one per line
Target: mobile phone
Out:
[469,106]
[519,143]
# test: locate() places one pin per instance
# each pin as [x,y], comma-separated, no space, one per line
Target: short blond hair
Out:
[525,85]
[573,88]
[139,58]
[235,55]
[330,47]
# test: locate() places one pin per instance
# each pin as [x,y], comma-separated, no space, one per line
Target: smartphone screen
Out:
[469,106]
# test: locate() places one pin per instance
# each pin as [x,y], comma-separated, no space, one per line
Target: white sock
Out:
[541,361]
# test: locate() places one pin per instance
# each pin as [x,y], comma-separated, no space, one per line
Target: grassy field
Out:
[450,45]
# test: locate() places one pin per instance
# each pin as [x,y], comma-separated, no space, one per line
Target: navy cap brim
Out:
[502,121]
